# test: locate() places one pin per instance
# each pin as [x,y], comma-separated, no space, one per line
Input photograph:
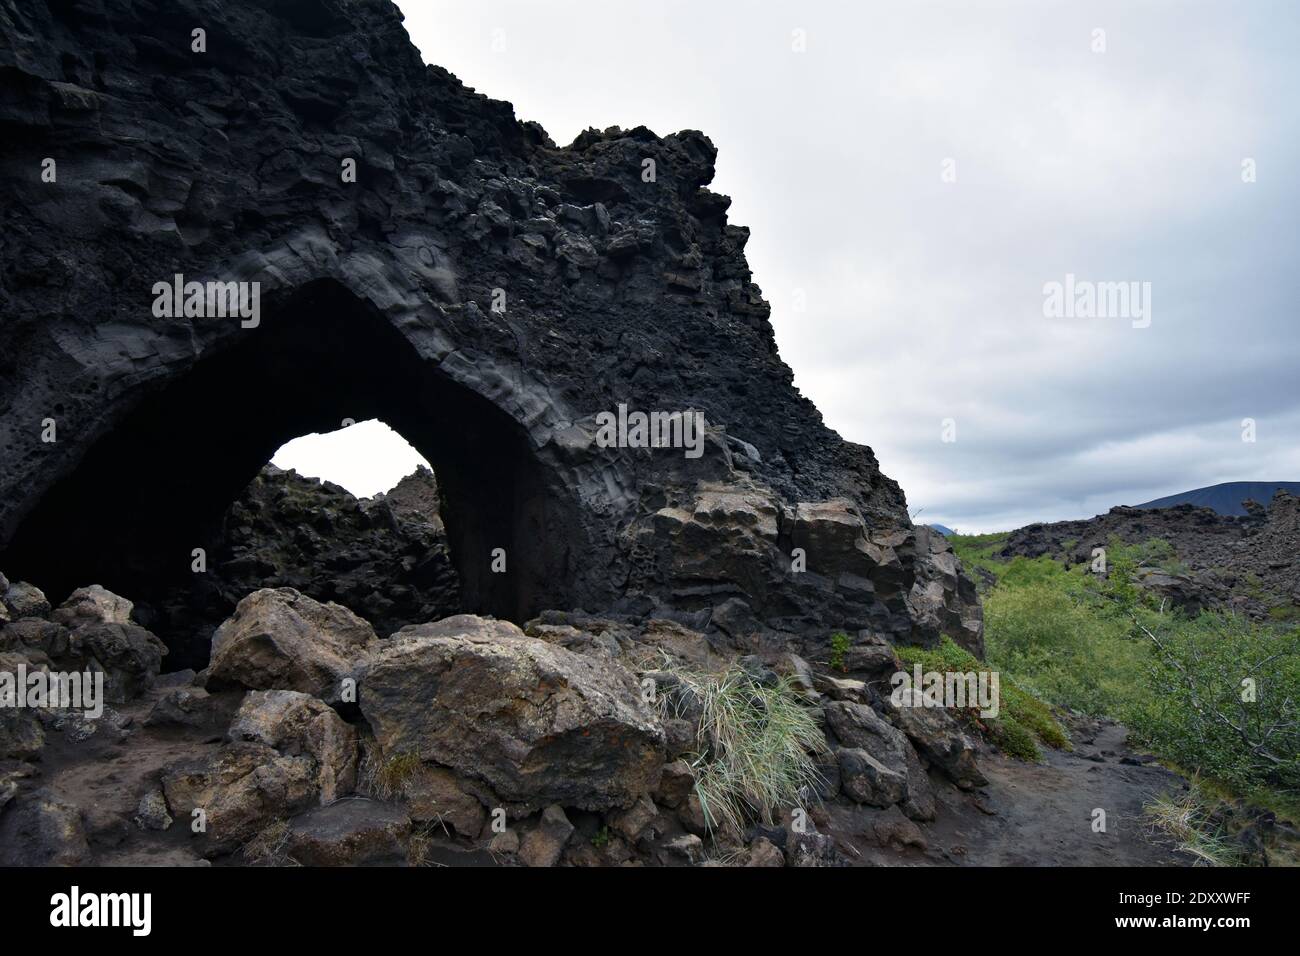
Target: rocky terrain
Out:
[512,665]
[485,292]
[577,740]
[1250,563]
[385,557]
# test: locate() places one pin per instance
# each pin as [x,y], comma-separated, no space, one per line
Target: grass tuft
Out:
[1189,820]
[755,747]
[269,846]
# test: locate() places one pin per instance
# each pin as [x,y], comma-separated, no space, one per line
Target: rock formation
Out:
[1249,563]
[424,257]
[308,740]
[372,239]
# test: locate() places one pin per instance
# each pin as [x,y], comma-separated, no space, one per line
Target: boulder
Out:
[279,639]
[35,634]
[676,784]
[631,823]
[893,768]
[353,832]
[241,788]
[151,812]
[42,830]
[298,725]
[687,848]
[866,780]
[435,794]
[537,723]
[93,605]
[763,853]
[25,600]
[544,843]
[891,828]
[936,734]
[21,735]
[191,707]
[129,656]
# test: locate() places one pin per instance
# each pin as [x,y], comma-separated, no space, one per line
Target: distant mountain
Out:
[1226,498]
[943,530]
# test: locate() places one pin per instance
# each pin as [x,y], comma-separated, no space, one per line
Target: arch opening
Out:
[161,482]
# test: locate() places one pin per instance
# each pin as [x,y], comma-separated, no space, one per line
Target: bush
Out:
[1022,721]
[1060,644]
[1194,712]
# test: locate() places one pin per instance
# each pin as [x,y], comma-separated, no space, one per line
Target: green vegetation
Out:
[1023,720]
[755,745]
[1215,695]
[1192,821]
[1224,699]
[839,646]
[979,550]
[389,778]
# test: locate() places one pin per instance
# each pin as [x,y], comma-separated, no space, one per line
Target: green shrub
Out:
[1097,644]
[1193,711]
[1022,721]
[1057,642]
[979,550]
[840,644]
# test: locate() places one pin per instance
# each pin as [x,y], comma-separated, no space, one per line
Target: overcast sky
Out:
[924,298]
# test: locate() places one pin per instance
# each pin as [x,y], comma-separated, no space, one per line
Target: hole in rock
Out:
[186,467]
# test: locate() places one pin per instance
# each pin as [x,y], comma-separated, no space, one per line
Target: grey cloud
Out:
[924,297]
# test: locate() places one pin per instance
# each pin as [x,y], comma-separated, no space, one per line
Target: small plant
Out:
[390,778]
[419,845]
[1190,821]
[839,647]
[601,838]
[269,846]
[756,742]
[1024,720]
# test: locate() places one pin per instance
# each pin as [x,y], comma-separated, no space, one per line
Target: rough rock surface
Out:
[349,833]
[878,766]
[279,639]
[385,558]
[537,723]
[486,292]
[40,830]
[91,633]
[296,724]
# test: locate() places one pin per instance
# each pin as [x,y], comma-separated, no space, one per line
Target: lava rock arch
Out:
[529,287]
[156,485]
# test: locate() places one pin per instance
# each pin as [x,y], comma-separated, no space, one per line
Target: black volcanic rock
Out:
[485,292]
[384,557]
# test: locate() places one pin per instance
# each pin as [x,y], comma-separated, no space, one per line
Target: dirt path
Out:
[1042,814]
